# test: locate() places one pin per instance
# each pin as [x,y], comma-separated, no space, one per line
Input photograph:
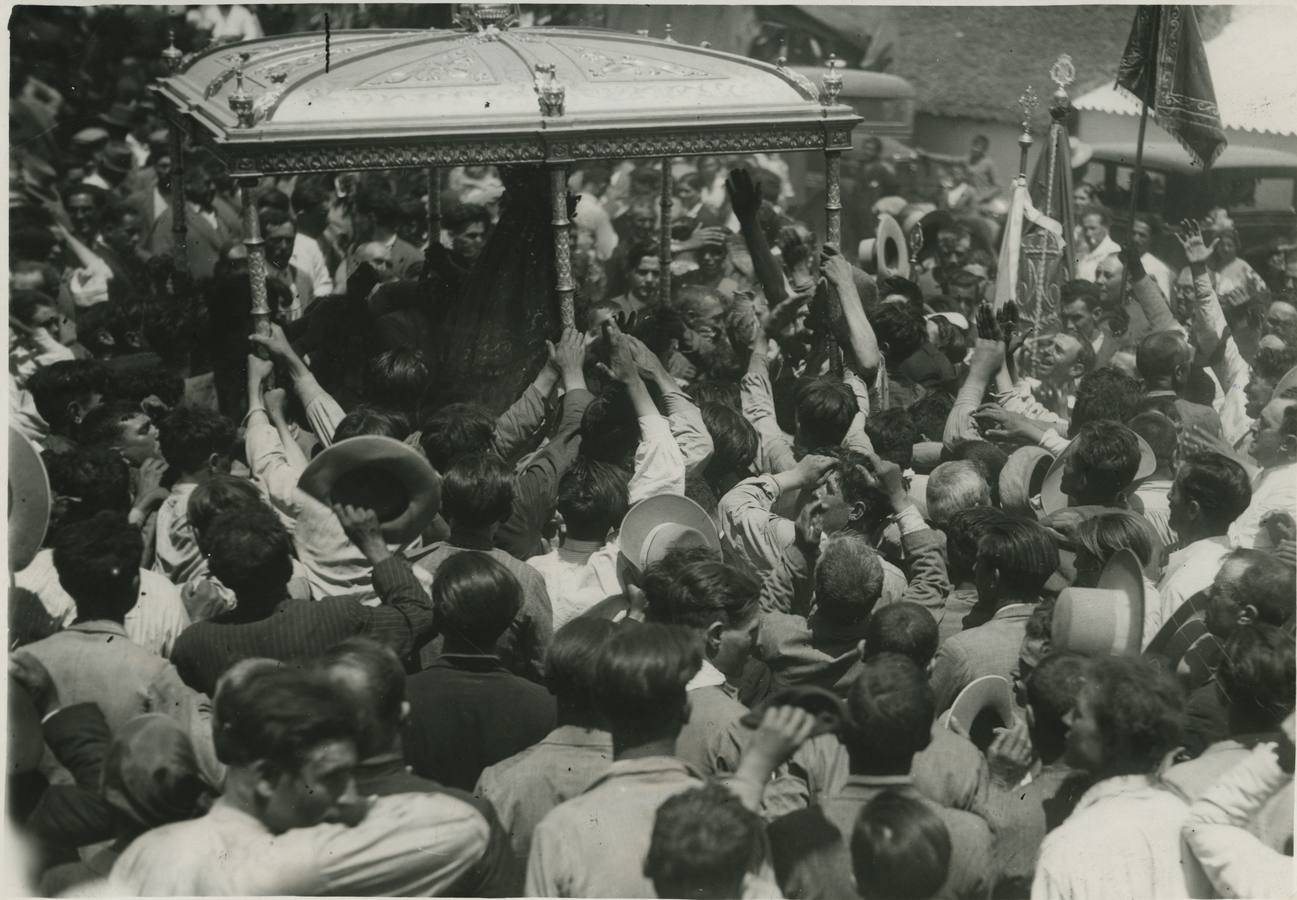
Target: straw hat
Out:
[888,243]
[1021,479]
[381,473]
[1052,497]
[981,707]
[30,501]
[1107,620]
[661,523]
[1289,380]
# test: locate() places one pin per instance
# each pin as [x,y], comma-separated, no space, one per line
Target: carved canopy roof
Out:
[391,99]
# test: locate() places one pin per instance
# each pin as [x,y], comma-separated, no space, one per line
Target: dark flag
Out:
[1165,66]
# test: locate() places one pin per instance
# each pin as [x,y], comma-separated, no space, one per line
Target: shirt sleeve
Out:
[405,618]
[169,695]
[545,864]
[925,552]
[748,527]
[688,429]
[757,396]
[271,469]
[1151,300]
[517,424]
[659,465]
[322,411]
[949,676]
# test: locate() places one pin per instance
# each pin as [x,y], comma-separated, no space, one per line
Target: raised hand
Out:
[568,355]
[1010,755]
[259,369]
[276,343]
[621,361]
[1196,250]
[887,477]
[745,196]
[988,327]
[363,529]
[834,266]
[998,424]
[809,527]
[276,400]
[782,730]
[812,469]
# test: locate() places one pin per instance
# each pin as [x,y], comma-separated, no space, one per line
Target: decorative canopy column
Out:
[553,100]
[179,237]
[664,229]
[830,87]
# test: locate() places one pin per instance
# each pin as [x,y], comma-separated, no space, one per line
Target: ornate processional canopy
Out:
[489,94]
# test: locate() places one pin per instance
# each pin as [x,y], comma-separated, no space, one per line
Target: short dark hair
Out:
[272,200]
[55,387]
[1272,363]
[459,429]
[734,440]
[1108,453]
[704,841]
[1022,552]
[900,848]
[168,385]
[98,564]
[96,479]
[701,592]
[1139,709]
[276,218]
[371,676]
[929,414]
[963,530]
[476,598]
[893,435]
[640,679]
[609,426]
[571,658]
[848,578]
[592,498]
[250,551]
[102,426]
[891,708]
[1104,394]
[1258,675]
[1094,209]
[1160,353]
[370,420]
[905,628]
[722,393]
[190,435]
[1219,485]
[825,408]
[900,331]
[398,379]
[462,215]
[1159,432]
[278,715]
[477,491]
[308,193]
[218,495]
[1268,584]
[1077,289]
[379,203]
[636,252]
[1120,529]
[895,284]
[1052,689]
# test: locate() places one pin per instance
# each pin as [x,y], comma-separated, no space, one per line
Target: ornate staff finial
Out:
[1027,103]
[240,100]
[1062,73]
[552,95]
[172,55]
[831,82]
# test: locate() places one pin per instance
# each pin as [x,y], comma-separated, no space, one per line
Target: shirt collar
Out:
[99,626]
[707,676]
[877,782]
[575,551]
[1184,553]
[464,541]
[576,736]
[1115,787]
[646,766]
[1012,610]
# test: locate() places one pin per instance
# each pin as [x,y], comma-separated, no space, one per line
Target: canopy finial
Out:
[240,101]
[831,82]
[172,55]
[552,95]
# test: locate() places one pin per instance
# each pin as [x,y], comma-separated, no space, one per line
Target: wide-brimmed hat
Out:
[888,243]
[661,523]
[119,115]
[30,501]
[116,157]
[1022,477]
[87,139]
[1289,380]
[985,704]
[382,474]
[1107,620]
[1052,497]
[827,707]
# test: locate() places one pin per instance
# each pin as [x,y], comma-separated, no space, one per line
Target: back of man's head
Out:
[900,331]
[963,529]
[734,440]
[370,676]
[250,551]
[398,379]
[1163,355]
[60,391]
[1258,676]
[929,414]
[570,665]
[1138,709]
[373,421]
[899,848]
[640,680]
[1270,585]
[848,578]
[953,486]
[988,456]
[1023,556]
[704,841]
[1104,394]
[476,599]
[98,564]
[1160,433]
[592,498]
[1214,488]
[459,429]
[1052,689]
[825,408]
[700,593]
[87,481]
[217,496]
[190,437]
[904,628]
[278,715]
[890,708]
[477,491]
[893,435]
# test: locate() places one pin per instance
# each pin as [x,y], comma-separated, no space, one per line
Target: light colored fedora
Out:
[382,474]
[1107,620]
[661,523]
[985,704]
[1022,477]
[30,501]
[888,243]
[1052,497]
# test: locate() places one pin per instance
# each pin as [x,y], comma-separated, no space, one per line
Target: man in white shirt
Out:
[1143,230]
[1099,245]
[1208,494]
[310,204]
[1274,447]
[1123,838]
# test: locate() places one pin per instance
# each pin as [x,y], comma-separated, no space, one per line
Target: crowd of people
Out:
[796,579]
